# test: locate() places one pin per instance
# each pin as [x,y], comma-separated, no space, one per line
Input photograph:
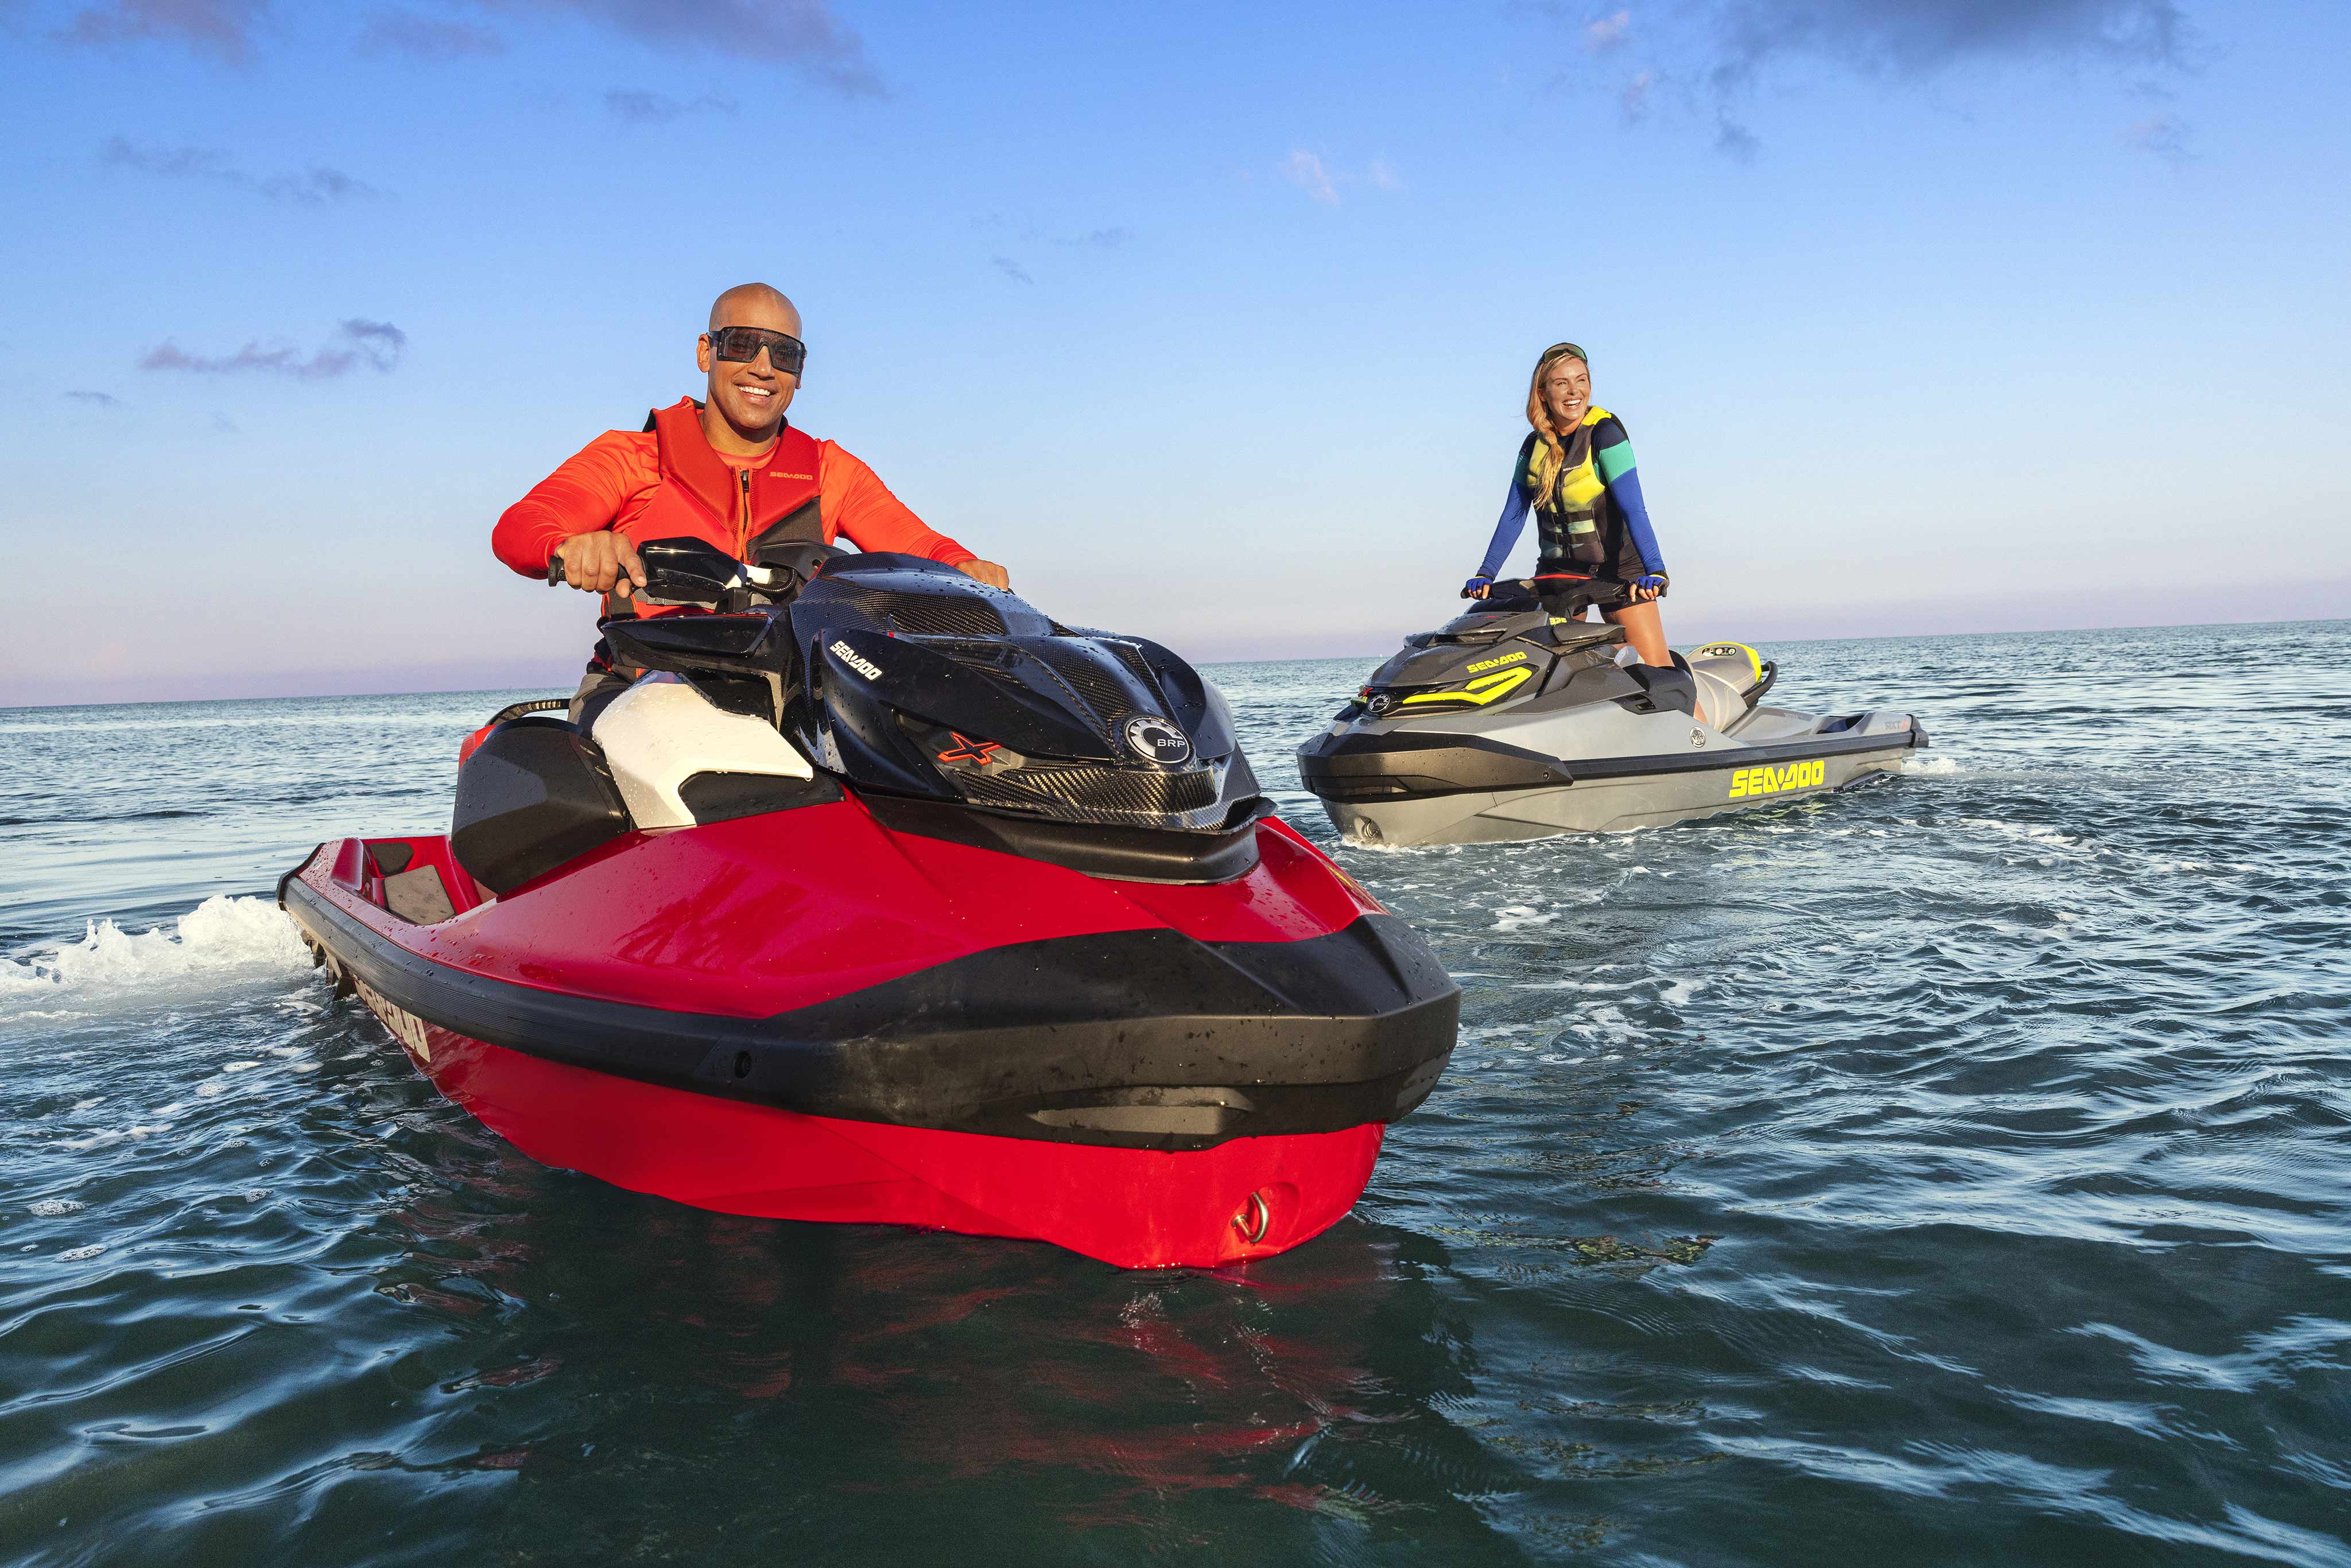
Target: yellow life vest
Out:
[1567,496]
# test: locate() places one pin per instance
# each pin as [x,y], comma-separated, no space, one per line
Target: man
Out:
[729,469]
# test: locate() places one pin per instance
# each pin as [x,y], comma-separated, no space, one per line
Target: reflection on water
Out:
[1957,1165]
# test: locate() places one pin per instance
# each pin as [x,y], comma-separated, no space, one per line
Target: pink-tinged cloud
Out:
[222,27]
[1726,50]
[653,108]
[802,34]
[359,344]
[1305,171]
[316,186]
[431,39]
[2163,136]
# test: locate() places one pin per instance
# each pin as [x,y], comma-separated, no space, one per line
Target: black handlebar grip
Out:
[555,578]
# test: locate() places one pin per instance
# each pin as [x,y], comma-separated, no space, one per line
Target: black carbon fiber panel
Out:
[1100,690]
[924,614]
[1135,791]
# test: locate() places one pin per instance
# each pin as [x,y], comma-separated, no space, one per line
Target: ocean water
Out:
[1959,1166]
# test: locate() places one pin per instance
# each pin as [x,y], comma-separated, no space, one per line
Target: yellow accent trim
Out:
[1725,649]
[1483,690]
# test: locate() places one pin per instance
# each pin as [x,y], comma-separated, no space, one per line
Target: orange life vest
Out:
[703,495]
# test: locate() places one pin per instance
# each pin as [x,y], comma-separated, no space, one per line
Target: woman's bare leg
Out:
[1645,630]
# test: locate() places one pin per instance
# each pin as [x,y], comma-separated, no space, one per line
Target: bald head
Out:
[754,305]
[744,406]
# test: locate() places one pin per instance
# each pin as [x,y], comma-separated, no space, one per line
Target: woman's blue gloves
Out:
[1476,587]
[1652,585]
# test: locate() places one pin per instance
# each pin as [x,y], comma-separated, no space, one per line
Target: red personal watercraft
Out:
[883,897]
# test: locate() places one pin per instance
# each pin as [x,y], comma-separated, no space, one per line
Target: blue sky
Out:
[1211,323]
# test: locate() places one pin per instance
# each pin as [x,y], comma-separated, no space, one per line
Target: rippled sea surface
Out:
[1961,1165]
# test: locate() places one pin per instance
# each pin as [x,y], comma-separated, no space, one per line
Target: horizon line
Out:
[1204,664]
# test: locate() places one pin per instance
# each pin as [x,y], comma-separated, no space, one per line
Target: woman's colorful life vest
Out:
[1569,497]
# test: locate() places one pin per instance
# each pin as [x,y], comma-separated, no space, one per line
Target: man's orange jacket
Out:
[667,480]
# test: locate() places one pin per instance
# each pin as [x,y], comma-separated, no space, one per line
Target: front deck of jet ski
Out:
[1135,1016]
[1077,1071]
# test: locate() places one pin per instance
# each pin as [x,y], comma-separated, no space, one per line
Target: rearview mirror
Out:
[689,570]
[800,558]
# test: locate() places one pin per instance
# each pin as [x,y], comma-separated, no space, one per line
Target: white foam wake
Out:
[219,936]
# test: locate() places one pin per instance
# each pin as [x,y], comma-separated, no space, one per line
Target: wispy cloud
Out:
[2161,136]
[1305,171]
[357,344]
[1920,37]
[1010,268]
[653,108]
[1637,95]
[1323,181]
[1733,140]
[802,34]
[317,186]
[1714,53]
[433,39]
[95,399]
[223,29]
[1000,226]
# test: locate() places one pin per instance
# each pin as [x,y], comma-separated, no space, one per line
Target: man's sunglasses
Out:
[786,352]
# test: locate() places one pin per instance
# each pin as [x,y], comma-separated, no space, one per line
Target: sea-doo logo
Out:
[1496,664]
[1776,781]
[1381,703]
[850,656]
[406,1027]
[1154,738]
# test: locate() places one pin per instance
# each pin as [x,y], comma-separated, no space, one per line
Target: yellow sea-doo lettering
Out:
[1746,782]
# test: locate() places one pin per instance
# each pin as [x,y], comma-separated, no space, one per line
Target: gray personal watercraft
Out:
[1515,722]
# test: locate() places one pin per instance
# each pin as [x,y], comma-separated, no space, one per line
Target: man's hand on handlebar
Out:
[600,562]
[987,571]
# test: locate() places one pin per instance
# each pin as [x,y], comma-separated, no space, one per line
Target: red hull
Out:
[1137,1209]
[749,919]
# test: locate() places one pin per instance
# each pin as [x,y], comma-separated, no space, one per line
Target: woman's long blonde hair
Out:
[1554,441]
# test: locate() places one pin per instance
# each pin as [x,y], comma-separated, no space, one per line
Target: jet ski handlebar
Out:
[688,571]
[1555,583]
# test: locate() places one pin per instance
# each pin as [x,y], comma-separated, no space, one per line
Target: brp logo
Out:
[1381,703]
[1155,739]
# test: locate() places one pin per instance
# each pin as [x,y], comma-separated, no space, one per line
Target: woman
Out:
[1576,472]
